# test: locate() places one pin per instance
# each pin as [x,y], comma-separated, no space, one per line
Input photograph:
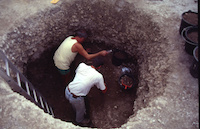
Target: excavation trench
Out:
[105,110]
[111,25]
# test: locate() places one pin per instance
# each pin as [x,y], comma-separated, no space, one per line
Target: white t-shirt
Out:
[86,77]
[64,56]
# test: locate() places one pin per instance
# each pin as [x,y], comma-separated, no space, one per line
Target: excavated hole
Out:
[105,110]
[111,24]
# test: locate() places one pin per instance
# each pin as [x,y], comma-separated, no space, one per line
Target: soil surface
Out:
[105,110]
[191,18]
[193,36]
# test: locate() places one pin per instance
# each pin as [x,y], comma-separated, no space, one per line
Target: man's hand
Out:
[104,91]
[103,53]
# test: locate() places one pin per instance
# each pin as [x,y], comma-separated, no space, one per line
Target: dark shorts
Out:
[63,72]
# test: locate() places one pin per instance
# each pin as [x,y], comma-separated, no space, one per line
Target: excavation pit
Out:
[105,110]
[111,24]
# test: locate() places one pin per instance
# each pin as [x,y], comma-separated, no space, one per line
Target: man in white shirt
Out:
[68,50]
[86,77]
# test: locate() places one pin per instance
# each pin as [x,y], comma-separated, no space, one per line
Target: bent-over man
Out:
[86,77]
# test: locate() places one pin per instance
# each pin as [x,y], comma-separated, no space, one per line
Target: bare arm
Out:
[79,48]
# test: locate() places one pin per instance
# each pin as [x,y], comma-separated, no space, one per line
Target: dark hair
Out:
[81,34]
[97,61]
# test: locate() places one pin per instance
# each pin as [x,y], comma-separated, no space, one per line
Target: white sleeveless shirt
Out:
[64,56]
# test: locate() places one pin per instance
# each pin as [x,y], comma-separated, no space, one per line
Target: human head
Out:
[81,35]
[97,61]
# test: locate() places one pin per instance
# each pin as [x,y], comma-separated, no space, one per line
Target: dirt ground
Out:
[105,110]
[171,102]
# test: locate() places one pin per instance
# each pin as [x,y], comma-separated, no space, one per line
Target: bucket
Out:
[190,35]
[119,57]
[126,81]
[189,18]
[195,65]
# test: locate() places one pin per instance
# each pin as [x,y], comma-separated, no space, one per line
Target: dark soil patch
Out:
[191,18]
[120,55]
[105,110]
[193,36]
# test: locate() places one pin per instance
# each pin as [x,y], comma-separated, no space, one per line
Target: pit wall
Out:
[117,23]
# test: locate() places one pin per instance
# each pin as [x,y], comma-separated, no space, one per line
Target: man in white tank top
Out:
[68,50]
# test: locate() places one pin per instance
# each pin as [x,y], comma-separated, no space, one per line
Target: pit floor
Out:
[105,110]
